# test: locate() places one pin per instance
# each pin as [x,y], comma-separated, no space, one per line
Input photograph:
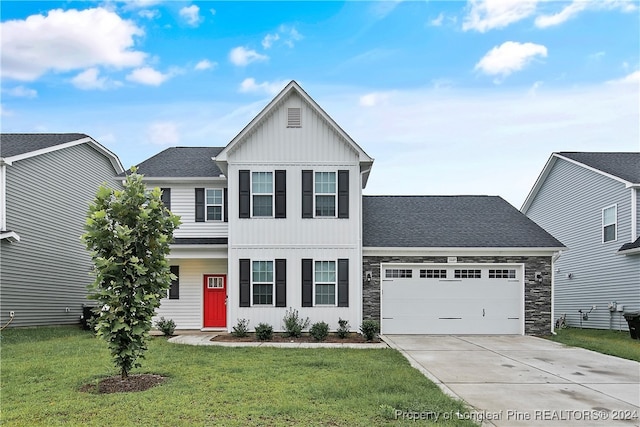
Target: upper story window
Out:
[325,194]
[214,204]
[609,223]
[262,193]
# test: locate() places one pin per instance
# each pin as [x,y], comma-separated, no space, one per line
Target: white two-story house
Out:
[275,220]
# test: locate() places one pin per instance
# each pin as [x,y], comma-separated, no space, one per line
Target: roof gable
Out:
[290,90]
[19,146]
[449,222]
[182,162]
[620,166]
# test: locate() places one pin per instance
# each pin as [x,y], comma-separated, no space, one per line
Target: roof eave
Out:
[10,236]
[522,251]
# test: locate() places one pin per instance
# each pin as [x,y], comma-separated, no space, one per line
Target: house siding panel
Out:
[48,198]
[569,206]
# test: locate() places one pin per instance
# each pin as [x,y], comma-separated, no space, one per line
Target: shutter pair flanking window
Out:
[280,283]
[174,289]
[308,194]
[201,205]
[342,285]
[280,194]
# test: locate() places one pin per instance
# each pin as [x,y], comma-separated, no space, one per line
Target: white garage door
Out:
[452,299]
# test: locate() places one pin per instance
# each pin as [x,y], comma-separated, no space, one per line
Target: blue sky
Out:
[449,97]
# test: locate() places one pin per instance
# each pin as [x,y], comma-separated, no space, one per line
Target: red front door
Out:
[215,301]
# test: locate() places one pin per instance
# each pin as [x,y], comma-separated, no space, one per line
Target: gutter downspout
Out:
[554,258]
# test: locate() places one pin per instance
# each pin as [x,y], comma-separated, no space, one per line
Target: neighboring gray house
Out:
[590,201]
[46,184]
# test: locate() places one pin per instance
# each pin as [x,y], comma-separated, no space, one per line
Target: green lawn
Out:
[43,369]
[615,343]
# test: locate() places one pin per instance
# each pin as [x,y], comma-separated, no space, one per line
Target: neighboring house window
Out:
[262,282]
[467,274]
[433,274]
[214,204]
[325,194]
[174,290]
[609,222]
[328,283]
[502,274]
[398,273]
[325,282]
[166,197]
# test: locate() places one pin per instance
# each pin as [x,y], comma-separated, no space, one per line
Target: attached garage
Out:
[452,298]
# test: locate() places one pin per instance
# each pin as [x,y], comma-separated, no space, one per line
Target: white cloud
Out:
[4,112]
[510,57]
[191,14]
[163,133]
[436,22]
[241,56]
[21,92]
[374,99]
[212,11]
[249,85]
[67,40]
[485,15]
[630,78]
[268,40]
[89,79]
[544,21]
[148,76]
[286,34]
[205,64]
[149,13]
[140,4]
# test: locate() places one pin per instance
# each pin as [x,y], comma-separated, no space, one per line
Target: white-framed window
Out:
[398,273]
[325,282]
[262,282]
[214,203]
[502,274]
[433,274]
[610,223]
[262,194]
[325,194]
[467,274]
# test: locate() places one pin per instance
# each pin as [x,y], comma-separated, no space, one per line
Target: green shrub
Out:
[166,326]
[319,331]
[241,329]
[343,328]
[293,324]
[369,329]
[264,332]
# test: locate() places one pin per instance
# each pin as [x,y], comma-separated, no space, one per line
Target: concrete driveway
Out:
[527,381]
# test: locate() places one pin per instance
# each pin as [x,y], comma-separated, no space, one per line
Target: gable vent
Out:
[294,118]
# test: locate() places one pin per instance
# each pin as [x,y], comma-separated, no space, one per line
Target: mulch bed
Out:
[351,338]
[116,384]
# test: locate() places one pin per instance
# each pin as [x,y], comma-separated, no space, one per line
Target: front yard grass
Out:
[614,343]
[44,368]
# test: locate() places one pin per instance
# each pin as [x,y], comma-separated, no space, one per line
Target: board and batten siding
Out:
[48,270]
[183,204]
[569,206]
[186,311]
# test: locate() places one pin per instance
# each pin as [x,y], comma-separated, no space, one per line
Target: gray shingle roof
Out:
[182,162]
[449,222]
[623,165]
[628,246]
[14,144]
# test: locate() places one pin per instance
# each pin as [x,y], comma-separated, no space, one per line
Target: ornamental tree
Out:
[128,233]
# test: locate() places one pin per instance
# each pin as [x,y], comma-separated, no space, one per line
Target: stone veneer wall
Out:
[537,296]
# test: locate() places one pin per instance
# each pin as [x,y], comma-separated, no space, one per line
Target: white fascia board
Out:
[3,196]
[536,186]
[184,179]
[115,161]
[198,252]
[629,252]
[391,251]
[11,236]
[608,175]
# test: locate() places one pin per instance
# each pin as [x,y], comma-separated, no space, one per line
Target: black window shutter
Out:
[245,194]
[245,283]
[307,282]
[343,283]
[281,194]
[199,204]
[226,209]
[174,290]
[343,194]
[281,283]
[166,197]
[307,194]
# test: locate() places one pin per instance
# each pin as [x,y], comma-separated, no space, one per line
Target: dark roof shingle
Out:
[625,166]
[15,144]
[185,162]
[449,222]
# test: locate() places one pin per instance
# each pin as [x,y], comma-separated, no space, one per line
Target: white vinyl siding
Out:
[609,223]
